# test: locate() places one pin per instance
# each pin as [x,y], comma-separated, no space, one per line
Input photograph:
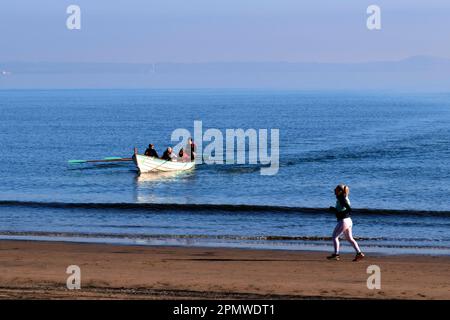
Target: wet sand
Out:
[37,270]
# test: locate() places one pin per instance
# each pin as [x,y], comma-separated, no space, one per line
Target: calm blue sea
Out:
[392,149]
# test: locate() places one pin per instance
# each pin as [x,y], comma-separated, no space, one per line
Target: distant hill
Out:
[417,72]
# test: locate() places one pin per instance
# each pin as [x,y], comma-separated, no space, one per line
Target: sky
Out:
[189,31]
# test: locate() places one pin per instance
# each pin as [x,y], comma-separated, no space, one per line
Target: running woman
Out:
[344,224]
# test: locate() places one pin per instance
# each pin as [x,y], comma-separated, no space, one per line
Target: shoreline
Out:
[139,224]
[37,270]
[324,247]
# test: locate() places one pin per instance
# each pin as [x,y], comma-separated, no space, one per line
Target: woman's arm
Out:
[347,206]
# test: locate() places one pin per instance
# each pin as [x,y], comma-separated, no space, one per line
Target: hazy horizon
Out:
[231,61]
[415,73]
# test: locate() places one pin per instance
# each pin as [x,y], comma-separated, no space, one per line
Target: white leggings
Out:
[344,227]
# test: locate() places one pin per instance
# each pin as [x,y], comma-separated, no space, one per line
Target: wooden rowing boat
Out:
[149,164]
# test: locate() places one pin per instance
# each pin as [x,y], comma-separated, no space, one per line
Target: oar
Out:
[108,159]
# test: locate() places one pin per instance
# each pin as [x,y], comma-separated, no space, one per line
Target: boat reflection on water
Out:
[160,176]
[164,187]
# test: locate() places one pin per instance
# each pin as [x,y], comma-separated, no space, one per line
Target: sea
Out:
[391,148]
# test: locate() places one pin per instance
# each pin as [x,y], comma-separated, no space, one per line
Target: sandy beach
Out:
[37,270]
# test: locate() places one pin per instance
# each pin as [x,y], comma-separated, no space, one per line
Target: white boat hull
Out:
[149,164]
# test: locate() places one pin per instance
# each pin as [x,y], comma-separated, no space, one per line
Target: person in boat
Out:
[191,148]
[168,155]
[183,156]
[344,222]
[151,152]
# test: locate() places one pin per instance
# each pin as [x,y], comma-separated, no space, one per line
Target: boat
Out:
[150,164]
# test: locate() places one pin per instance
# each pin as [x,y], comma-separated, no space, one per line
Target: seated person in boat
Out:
[183,156]
[191,148]
[168,155]
[151,152]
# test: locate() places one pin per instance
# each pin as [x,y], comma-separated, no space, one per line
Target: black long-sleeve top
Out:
[343,208]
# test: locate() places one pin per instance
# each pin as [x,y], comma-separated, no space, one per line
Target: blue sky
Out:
[231,30]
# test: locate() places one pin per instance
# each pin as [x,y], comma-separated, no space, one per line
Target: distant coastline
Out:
[412,73]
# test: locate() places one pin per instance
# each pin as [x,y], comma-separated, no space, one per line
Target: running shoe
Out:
[359,256]
[334,257]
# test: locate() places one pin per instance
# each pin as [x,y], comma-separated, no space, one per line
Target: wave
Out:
[170,236]
[195,236]
[136,238]
[209,208]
